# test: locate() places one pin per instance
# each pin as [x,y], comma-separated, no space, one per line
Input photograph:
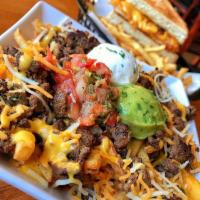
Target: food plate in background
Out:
[103,8]
[48,14]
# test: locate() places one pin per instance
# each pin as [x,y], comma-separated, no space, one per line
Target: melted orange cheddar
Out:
[56,146]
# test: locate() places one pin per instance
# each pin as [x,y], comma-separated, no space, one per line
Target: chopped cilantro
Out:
[122,54]
[114,51]
[120,110]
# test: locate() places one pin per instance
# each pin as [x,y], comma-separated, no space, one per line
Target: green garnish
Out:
[114,51]
[122,54]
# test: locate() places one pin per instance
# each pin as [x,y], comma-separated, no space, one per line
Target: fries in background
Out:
[146,54]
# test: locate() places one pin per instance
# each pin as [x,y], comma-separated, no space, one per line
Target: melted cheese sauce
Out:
[56,146]
[10,114]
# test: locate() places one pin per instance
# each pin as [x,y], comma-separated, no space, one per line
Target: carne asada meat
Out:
[169,166]
[180,151]
[120,135]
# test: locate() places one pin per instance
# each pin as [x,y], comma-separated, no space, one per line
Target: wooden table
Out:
[10,12]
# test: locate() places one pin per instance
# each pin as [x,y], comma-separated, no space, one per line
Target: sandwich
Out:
[150,29]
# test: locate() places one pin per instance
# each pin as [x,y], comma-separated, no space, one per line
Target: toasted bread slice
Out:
[115,19]
[163,14]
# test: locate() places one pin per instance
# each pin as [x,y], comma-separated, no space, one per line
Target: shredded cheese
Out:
[41,99]
[49,65]
[16,73]
[131,196]
[160,190]
[182,135]
[170,115]
[41,90]
[125,177]
[127,162]
[146,187]
[172,185]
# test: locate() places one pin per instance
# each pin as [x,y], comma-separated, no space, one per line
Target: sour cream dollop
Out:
[119,61]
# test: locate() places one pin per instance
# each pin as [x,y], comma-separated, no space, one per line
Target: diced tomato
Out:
[81,60]
[82,106]
[115,92]
[101,69]
[50,57]
[81,85]
[97,109]
[91,113]
[69,100]
[112,119]
[68,86]
[101,94]
[74,111]
[59,78]
[88,121]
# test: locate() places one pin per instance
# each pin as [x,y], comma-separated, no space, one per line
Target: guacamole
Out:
[141,111]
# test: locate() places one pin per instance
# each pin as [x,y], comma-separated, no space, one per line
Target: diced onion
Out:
[62,182]
[16,73]
[184,165]
[72,128]
[50,115]
[159,193]
[40,36]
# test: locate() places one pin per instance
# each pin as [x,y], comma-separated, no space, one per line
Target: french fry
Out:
[134,147]
[187,81]
[157,59]
[169,67]
[155,49]
[181,72]
[20,39]
[125,38]
[143,155]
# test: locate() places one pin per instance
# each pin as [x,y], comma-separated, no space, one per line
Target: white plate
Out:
[48,14]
